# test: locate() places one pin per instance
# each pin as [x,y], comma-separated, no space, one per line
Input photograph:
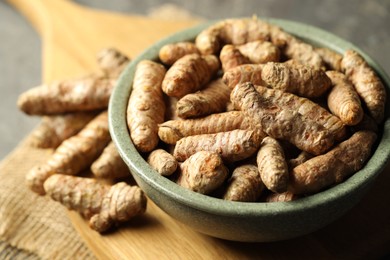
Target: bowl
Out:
[244,221]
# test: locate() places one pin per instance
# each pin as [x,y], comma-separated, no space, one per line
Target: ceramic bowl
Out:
[242,221]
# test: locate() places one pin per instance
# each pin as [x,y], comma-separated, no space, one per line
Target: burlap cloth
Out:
[32,226]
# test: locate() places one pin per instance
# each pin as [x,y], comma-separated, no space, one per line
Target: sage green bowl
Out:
[242,221]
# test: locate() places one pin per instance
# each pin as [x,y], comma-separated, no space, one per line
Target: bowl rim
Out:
[137,164]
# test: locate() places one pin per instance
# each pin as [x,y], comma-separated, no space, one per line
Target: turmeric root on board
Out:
[172,131]
[103,205]
[90,92]
[244,185]
[260,51]
[112,62]
[306,108]
[189,74]
[53,130]
[84,94]
[170,53]
[333,167]
[244,73]
[231,146]
[74,154]
[146,108]
[331,58]
[297,79]
[272,165]
[211,99]
[231,57]
[367,84]
[343,101]
[231,31]
[163,162]
[202,172]
[281,123]
[110,165]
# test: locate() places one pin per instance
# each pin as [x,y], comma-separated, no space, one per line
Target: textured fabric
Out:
[9,252]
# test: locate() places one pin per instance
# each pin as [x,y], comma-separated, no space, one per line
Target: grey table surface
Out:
[364,22]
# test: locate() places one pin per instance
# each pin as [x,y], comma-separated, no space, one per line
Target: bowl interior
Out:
[136,163]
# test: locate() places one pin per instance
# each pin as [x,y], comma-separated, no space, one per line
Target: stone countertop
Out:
[363,22]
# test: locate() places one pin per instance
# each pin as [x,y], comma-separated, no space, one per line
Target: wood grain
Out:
[71,37]
[72,34]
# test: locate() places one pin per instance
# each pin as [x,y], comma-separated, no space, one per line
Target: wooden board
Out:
[72,34]
[71,37]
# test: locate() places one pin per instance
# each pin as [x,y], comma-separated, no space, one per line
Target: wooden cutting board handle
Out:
[72,34]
